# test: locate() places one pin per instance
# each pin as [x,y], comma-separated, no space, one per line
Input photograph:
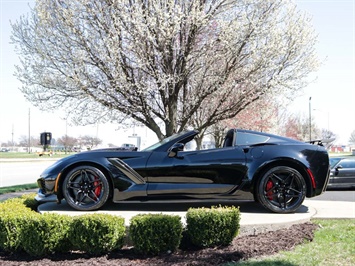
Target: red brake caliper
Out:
[268,189]
[98,188]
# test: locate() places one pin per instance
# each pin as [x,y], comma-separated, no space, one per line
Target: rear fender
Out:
[302,169]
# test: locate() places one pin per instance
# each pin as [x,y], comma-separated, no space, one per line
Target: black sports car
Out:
[278,172]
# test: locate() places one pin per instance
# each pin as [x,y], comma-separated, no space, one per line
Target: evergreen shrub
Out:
[13,217]
[46,234]
[12,225]
[155,233]
[97,233]
[209,227]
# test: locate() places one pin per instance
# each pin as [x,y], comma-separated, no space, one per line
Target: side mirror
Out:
[339,167]
[175,149]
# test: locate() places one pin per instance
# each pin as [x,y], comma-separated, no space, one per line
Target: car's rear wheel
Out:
[281,189]
[85,188]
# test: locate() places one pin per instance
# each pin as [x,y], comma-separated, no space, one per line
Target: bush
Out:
[212,227]
[46,234]
[97,233]
[155,233]
[17,204]
[11,227]
[29,201]
[13,217]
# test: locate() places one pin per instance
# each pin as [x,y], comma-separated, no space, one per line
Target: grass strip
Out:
[333,244]
[4,190]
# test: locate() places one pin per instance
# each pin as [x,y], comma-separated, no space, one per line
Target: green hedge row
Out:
[23,229]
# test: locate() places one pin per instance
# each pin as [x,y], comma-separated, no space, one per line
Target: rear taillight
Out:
[312,178]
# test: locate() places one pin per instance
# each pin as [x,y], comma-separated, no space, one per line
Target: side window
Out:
[190,146]
[348,164]
[249,138]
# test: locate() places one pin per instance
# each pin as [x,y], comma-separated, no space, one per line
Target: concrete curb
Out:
[254,219]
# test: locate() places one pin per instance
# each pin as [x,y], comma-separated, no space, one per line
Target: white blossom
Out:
[162,61]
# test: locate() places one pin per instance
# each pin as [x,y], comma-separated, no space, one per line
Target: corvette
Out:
[275,171]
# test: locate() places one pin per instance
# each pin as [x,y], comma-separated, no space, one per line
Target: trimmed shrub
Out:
[46,234]
[216,226]
[97,233]
[15,204]
[29,201]
[11,227]
[13,217]
[155,233]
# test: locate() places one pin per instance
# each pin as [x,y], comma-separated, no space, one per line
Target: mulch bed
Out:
[242,248]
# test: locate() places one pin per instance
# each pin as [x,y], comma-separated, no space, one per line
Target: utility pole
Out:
[12,138]
[29,130]
[310,120]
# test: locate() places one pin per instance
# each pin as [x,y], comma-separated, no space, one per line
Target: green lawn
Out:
[333,244]
[4,190]
[25,155]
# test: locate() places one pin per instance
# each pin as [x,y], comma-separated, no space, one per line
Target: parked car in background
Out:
[275,171]
[342,173]
[128,146]
[4,149]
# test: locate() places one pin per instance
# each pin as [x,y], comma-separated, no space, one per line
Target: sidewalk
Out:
[16,194]
[254,218]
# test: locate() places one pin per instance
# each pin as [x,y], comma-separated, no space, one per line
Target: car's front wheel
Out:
[281,189]
[85,188]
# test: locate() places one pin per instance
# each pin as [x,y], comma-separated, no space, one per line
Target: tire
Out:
[85,188]
[281,189]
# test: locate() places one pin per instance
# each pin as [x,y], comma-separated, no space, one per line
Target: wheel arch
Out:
[63,174]
[301,168]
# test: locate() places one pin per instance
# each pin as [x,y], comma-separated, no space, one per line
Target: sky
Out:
[332,93]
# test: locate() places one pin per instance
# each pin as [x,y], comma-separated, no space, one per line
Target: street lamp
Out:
[310,120]
[29,130]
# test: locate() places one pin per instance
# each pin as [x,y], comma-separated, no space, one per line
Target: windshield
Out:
[333,161]
[160,143]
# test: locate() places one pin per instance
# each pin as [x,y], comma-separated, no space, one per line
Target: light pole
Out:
[310,120]
[29,130]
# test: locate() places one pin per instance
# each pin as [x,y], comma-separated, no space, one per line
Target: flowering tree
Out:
[159,62]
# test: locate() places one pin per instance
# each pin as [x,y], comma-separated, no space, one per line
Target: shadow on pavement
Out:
[244,206]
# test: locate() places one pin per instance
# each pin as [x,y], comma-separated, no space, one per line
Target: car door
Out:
[344,174]
[200,173]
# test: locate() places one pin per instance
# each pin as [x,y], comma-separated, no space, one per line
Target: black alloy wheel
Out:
[282,189]
[86,188]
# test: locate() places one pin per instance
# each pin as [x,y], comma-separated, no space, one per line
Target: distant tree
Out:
[160,61]
[8,144]
[352,138]
[327,134]
[110,145]
[68,142]
[89,141]
[218,132]
[293,128]
[34,141]
[23,140]
[301,127]
[260,116]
